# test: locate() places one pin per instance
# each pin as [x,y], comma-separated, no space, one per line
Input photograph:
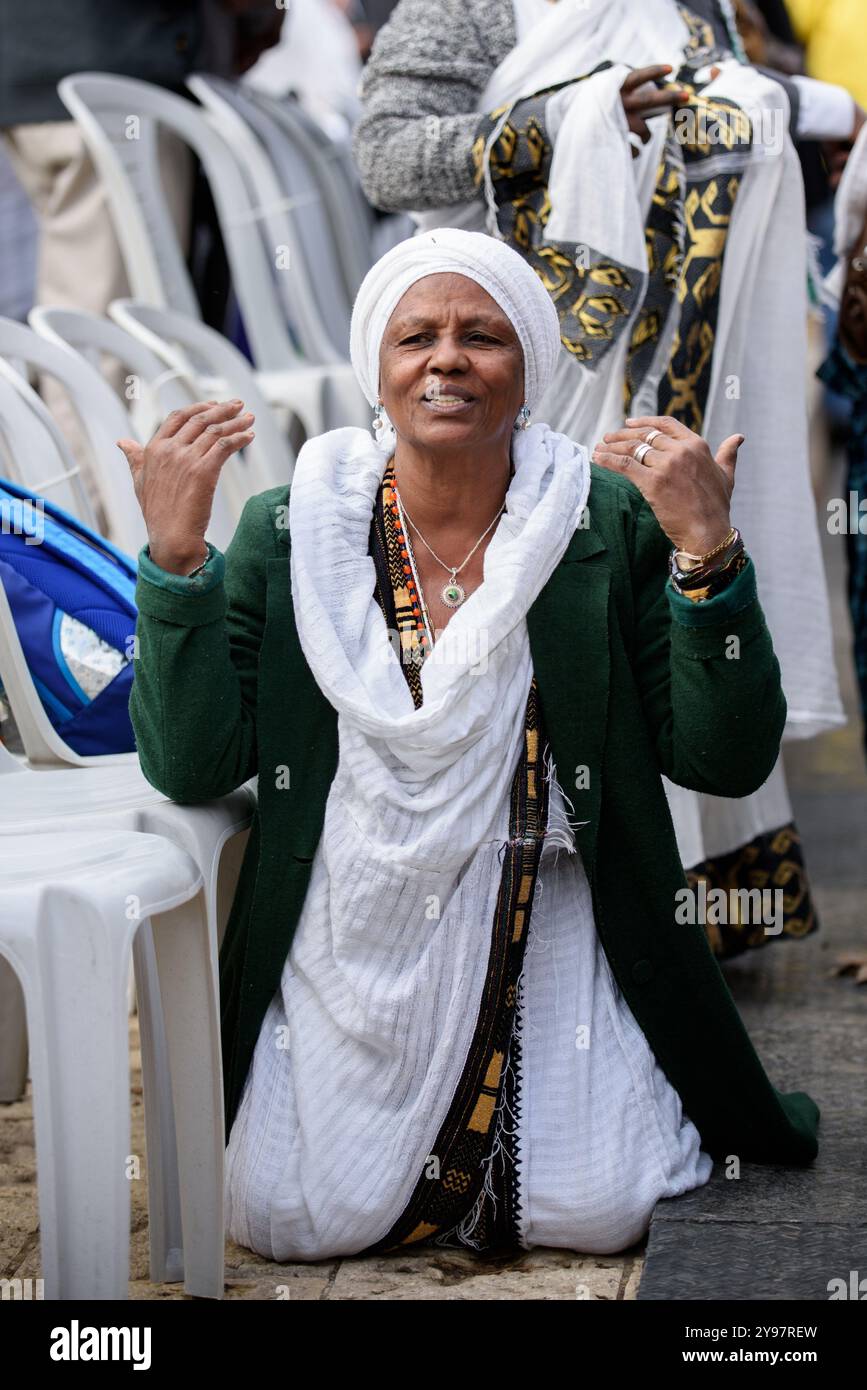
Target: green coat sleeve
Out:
[707,675]
[193,700]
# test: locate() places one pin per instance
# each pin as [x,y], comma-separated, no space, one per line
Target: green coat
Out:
[634,681]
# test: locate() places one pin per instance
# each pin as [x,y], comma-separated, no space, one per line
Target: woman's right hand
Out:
[640,96]
[175,476]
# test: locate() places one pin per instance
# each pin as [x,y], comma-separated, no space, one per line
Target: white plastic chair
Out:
[33,452]
[362,238]
[119,118]
[221,371]
[13,1031]
[350,214]
[103,420]
[153,391]
[99,802]
[100,791]
[70,914]
[294,212]
[64,334]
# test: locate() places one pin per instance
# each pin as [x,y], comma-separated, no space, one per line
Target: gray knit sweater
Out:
[420,97]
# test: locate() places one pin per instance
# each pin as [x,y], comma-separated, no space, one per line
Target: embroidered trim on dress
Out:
[464,1196]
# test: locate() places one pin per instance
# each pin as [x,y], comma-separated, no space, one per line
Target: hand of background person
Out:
[258,28]
[249,47]
[640,95]
[687,487]
[175,476]
[837,152]
[753,29]
[852,324]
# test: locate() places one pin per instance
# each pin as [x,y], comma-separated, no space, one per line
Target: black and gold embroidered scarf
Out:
[598,298]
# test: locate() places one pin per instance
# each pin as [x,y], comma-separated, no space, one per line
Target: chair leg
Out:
[165,1228]
[187,965]
[79,1048]
[165,1232]
[228,874]
[13,1036]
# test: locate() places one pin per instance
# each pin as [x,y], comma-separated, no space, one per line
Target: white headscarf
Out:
[499,270]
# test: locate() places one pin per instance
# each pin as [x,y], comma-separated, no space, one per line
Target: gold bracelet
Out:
[698,560]
[717,580]
[200,567]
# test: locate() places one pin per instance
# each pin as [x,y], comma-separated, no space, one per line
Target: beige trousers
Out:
[80,264]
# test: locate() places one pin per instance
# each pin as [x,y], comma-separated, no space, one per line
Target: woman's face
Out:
[451,366]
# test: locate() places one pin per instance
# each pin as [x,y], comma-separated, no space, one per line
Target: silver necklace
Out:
[452,594]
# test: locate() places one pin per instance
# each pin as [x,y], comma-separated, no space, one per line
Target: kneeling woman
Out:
[459,1000]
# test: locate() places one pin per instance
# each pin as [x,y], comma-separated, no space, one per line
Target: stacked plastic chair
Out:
[307,374]
[74,832]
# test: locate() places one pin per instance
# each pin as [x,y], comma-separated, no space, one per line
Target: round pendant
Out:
[453,594]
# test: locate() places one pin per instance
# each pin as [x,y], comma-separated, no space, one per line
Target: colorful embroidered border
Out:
[771,861]
[449,1190]
[395,589]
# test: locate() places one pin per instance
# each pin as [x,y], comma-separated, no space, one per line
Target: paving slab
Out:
[455,1276]
[744,1261]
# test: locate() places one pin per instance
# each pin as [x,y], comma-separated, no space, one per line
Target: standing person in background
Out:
[767,35]
[80,265]
[845,371]
[627,153]
[834,36]
[318,60]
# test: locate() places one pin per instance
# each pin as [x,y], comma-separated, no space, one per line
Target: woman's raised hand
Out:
[688,488]
[175,475]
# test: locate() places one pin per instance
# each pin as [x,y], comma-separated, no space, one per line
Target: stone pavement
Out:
[784,1232]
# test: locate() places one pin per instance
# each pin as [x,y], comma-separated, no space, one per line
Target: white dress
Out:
[602,1135]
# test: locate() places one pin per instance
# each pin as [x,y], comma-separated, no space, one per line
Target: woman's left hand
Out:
[687,487]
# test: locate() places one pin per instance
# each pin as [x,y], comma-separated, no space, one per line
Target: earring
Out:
[383,429]
[523,420]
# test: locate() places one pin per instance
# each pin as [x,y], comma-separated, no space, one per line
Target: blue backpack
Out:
[71,594]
